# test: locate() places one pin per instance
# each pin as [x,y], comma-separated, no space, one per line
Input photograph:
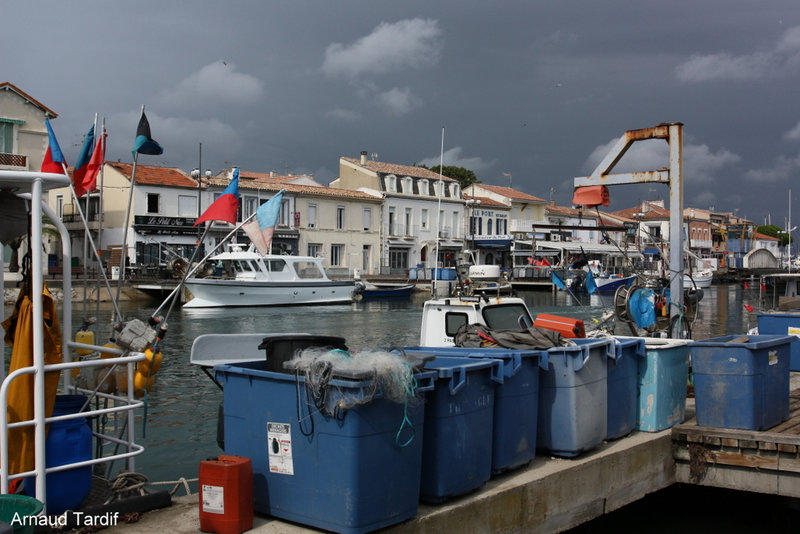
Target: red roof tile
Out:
[150,175]
[511,193]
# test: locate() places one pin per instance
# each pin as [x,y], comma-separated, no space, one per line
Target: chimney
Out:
[363,157]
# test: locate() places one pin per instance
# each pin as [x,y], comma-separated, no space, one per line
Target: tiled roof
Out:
[764,237]
[511,193]
[8,86]
[268,184]
[399,170]
[485,201]
[149,175]
[653,212]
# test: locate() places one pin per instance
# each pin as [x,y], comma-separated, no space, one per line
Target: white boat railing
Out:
[31,185]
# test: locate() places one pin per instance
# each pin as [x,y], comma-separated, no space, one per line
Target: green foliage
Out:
[465,177]
[774,231]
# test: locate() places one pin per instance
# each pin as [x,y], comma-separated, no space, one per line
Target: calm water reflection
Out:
[181,417]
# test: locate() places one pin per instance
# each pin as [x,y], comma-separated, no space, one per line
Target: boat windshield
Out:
[276,266]
[308,269]
[507,317]
[243,266]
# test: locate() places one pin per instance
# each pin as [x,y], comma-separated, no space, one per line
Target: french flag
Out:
[53,157]
[262,229]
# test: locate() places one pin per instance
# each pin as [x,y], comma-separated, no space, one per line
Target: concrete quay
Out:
[548,495]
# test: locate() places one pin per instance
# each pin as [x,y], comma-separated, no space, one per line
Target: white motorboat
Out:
[698,279]
[244,277]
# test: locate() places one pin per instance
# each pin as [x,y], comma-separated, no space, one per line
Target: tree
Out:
[465,177]
[774,231]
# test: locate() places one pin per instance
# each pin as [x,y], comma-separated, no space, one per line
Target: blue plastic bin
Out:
[741,384]
[573,394]
[623,391]
[516,400]
[67,442]
[354,472]
[662,378]
[783,324]
[459,411]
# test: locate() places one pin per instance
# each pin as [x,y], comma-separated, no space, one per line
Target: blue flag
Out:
[591,285]
[557,281]
[144,144]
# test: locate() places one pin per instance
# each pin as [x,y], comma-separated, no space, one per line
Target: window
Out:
[367,218]
[312,217]
[340,217]
[337,253]
[408,185]
[187,206]
[249,205]
[314,249]
[453,321]
[6,137]
[507,317]
[408,221]
[398,258]
[392,222]
[499,227]
[391,183]
[424,219]
[488,227]
[59,205]
[283,216]
[152,202]
[423,187]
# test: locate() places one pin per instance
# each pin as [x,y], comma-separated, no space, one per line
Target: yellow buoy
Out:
[142,383]
[151,363]
[84,336]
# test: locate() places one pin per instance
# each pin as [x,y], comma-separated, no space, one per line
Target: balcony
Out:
[13,162]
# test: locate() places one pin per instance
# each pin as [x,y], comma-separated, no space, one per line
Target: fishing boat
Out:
[368,290]
[698,279]
[242,276]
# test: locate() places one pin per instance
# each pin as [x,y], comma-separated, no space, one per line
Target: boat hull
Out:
[697,281]
[398,292]
[210,293]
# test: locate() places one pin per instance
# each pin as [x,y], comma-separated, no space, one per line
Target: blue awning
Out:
[652,251]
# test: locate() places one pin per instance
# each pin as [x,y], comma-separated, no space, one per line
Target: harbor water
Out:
[181,417]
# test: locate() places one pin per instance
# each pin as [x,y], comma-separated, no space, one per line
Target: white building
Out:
[416,201]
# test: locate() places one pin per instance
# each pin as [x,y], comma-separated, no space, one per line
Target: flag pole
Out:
[91,241]
[440,192]
[100,218]
[191,271]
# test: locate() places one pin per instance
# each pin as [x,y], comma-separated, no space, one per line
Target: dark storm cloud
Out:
[533,92]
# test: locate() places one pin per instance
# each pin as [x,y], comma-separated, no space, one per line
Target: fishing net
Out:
[337,380]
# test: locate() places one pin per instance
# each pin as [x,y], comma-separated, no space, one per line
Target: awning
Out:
[589,248]
[493,243]
[652,251]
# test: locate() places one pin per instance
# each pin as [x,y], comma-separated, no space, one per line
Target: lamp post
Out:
[196,175]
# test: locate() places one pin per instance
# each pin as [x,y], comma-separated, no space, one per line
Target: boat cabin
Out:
[441,318]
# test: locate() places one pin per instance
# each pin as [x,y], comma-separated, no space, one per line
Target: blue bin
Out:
[516,400]
[783,324]
[662,379]
[573,394]
[741,382]
[446,273]
[459,411]
[355,471]
[623,391]
[68,441]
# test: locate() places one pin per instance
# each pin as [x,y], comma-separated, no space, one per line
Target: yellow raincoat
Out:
[19,334]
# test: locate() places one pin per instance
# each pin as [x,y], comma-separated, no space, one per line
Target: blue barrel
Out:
[457,450]
[68,441]
[516,400]
[623,391]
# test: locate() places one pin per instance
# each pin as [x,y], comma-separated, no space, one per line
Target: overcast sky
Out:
[530,93]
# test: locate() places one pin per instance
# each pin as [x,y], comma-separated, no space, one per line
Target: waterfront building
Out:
[416,202]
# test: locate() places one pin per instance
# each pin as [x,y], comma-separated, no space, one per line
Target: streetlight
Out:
[196,175]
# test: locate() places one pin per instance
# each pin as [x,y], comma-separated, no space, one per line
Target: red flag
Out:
[746,285]
[93,169]
[748,307]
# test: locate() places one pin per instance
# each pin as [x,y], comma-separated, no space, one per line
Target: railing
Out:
[14,160]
